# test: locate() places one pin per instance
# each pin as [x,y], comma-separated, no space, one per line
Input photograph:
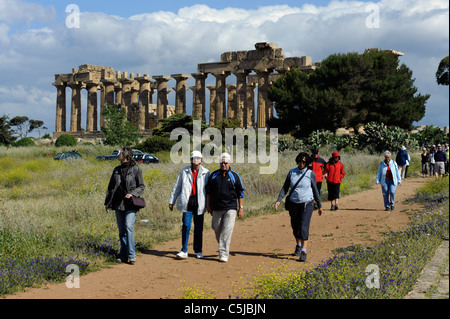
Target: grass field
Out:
[52,213]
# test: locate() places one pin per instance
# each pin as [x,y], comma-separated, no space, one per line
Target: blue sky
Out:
[167,37]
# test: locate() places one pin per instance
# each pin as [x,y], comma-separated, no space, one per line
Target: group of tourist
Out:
[435,160]
[221,194]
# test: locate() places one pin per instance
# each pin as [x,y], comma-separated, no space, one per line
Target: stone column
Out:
[212,104]
[144,100]
[60,125]
[220,95]
[75,109]
[126,92]
[91,116]
[108,85]
[231,109]
[180,100]
[250,107]
[162,100]
[199,102]
[241,97]
[263,84]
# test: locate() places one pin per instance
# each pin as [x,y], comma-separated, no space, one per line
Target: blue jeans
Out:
[388,190]
[198,231]
[125,222]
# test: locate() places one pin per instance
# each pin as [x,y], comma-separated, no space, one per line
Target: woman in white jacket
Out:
[389,177]
[189,193]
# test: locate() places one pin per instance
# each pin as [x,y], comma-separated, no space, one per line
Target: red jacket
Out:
[335,172]
[318,167]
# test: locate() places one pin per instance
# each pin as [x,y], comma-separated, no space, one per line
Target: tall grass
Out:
[55,208]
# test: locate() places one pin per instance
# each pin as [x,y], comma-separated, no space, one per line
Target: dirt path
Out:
[258,244]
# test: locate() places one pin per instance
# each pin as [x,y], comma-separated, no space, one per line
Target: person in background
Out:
[189,192]
[407,165]
[440,158]
[389,177]
[223,192]
[432,161]
[302,182]
[446,151]
[334,173]
[425,159]
[401,159]
[318,167]
[126,181]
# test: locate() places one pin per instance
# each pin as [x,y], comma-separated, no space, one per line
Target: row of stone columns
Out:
[135,95]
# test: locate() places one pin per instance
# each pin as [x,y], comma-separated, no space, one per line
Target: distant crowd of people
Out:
[435,160]
[221,193]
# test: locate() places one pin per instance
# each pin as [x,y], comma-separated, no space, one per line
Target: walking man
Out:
[318,167]
[440,158]
[223,192]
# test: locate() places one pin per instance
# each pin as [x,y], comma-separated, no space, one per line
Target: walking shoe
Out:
[199,256]
[302,256]
[182,255]
[336,207]
[297,251]
[387,209]
[223,259]
[392,207]
[132,260]
[332,207]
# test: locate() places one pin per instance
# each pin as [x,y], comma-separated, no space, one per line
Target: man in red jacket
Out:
[318,167]
[334,173]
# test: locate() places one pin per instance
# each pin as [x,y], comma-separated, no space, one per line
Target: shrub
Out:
[66,140]
[24,142]
[156,144]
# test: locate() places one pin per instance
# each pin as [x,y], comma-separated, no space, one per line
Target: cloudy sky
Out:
[37,40]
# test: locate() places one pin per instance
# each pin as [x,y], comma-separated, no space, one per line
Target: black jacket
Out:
[134,185]
[225,190]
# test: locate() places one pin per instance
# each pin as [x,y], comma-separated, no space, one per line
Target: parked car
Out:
[146,158]
[107,157]
[67,155]
[135,152]
[115,155]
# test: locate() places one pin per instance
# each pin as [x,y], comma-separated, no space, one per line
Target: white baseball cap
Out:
[196,154]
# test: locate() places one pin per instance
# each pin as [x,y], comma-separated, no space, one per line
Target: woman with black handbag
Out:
[299,202]
[125,184]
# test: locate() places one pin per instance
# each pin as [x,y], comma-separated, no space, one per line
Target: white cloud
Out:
[167,42]
[18,12]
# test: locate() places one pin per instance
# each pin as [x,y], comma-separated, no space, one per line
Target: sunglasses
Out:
[224,163]
[302,162]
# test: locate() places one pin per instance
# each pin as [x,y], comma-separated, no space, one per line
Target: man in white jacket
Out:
[189,193]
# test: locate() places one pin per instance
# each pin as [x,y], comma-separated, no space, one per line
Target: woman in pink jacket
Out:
[334,173]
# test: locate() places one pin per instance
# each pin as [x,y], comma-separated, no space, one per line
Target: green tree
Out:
[442,73]
[117,130]
[167,125]
[37,125]
[21,122]
[6,132]
[347,90]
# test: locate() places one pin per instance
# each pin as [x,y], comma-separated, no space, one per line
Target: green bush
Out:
[156,144]
[66,140]
[24,142]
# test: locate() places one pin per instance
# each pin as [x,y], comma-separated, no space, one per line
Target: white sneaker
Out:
[223,259]
[199,256]
[182,255]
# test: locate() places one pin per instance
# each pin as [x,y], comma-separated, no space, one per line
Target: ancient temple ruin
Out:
[254,70]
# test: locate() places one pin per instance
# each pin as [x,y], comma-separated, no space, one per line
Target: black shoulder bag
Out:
[288,204]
